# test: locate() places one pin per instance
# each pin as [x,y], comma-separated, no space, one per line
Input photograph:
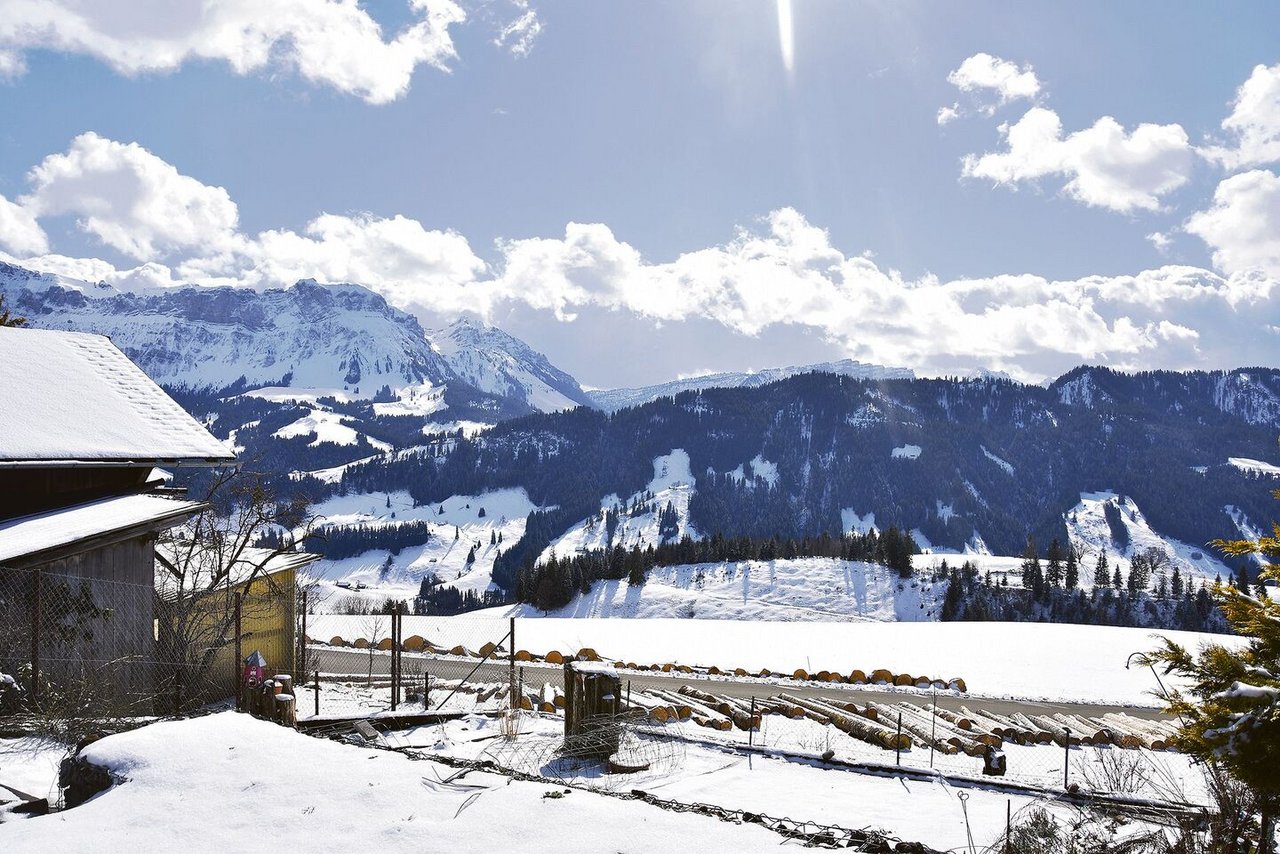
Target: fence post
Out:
[395,618]
[1008,825]
[317,693]
[302,641]
[897,759]
[426,691]
[239,662]
[933,728]
[35,638]
[751,733]
[511,663]
[1066,757]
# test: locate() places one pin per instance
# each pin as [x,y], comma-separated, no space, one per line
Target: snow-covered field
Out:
[229,782]
[240,784]
[1031,661]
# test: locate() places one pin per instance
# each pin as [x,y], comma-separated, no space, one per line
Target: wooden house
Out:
[84,434]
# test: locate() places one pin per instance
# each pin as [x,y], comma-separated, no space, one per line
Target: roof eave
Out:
[153,462]
[99,539]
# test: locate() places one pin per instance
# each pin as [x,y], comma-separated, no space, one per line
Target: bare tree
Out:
[203,564]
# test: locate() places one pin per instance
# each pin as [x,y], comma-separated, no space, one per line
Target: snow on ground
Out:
[854,523]
[334,474]
[30,765]
[1247,529]
[328,427]
[228,782]
[1254,466]
[419,400]
[456,525]
[468,428]
[1088,528]
[921,811]
[1004,464]
[673,483]
[799,589]
[286,394]
[906,452]
[1032,661]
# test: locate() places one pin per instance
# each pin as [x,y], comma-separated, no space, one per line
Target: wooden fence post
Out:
[239,660]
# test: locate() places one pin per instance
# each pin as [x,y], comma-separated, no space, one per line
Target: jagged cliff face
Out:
[339,337]
[500,364]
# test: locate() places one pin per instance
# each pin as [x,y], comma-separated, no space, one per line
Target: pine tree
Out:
[1101,573]
[1032,576]
[1116,580]
[471,556]
[8,318]
[1072,580]
[1175,583]
[1053,566]
[1231,714]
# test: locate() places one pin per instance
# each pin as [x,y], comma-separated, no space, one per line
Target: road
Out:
[358,662]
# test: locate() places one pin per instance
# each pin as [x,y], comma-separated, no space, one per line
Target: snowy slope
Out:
[673,483]
[803,589]
[611,400]
[455,526]
[1089,530]
[306,336]
[500,364]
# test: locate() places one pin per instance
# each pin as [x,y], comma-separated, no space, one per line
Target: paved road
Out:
[360,662]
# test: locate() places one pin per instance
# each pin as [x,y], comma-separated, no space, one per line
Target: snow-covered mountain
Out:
[340,337]
[500,364]
[611,400]
[309,339]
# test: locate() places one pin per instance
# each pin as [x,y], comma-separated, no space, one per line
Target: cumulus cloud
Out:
[778,274]
[19,231]
[987,74]
[1104,165]
[130,199]
[1242,227]
[1254,123]
[330,42]
[414,267]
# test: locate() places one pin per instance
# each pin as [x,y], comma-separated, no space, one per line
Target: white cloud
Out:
[1160,240]
[782,274]
[130,199]
[1243,225]
[948,114]
[986,74]
[12,65]
[19,231]
[331,42]
[519,34]
[1254,122]
[1104,165]
[412,266]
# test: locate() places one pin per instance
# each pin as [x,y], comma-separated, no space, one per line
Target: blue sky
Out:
[731,211]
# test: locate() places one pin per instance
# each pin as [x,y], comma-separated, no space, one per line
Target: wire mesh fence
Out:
[380,664]
[84,648]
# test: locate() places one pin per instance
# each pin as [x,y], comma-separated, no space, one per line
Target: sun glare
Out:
[786,35]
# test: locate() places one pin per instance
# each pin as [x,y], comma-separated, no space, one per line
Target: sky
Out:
[645,190]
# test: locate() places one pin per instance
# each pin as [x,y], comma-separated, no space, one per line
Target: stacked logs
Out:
[1063,730]
[880,676]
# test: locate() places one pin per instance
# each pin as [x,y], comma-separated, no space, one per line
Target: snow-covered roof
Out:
[75,398]
[44,532]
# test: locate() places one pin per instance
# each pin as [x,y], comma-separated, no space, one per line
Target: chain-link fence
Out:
[92,649]
[381,664]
